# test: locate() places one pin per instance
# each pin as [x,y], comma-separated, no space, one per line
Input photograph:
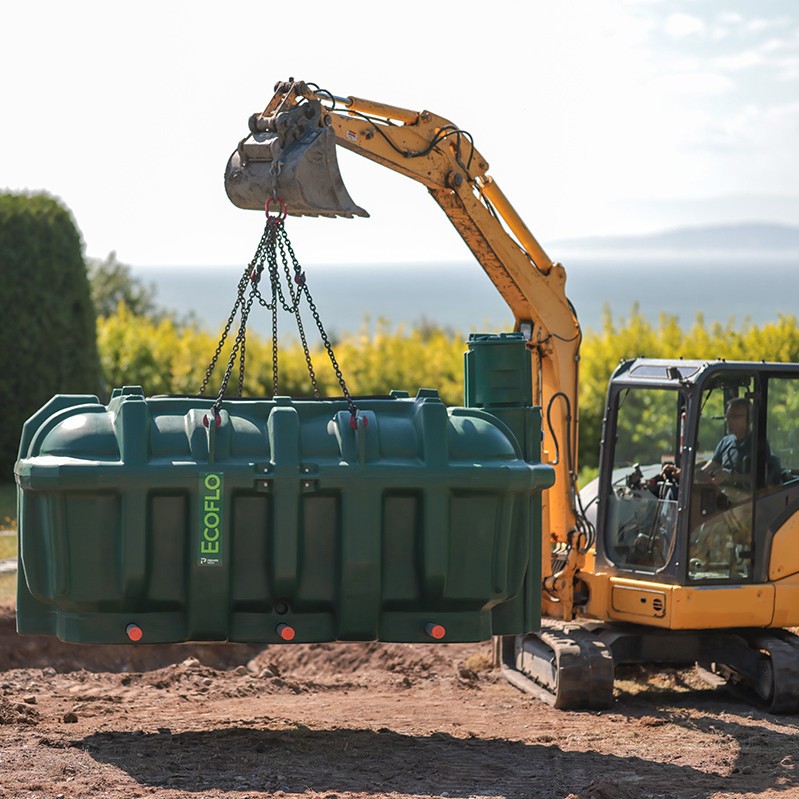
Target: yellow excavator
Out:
[686,548]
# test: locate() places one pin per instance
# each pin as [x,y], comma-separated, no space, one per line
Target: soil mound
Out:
[292,667]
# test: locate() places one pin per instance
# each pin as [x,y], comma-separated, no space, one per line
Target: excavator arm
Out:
[287,154]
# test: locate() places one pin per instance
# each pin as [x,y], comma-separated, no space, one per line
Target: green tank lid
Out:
[498,371]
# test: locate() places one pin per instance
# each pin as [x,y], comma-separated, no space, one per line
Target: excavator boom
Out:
[290,152]
[638,597]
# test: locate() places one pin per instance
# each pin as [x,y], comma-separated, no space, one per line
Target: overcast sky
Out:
[596,117]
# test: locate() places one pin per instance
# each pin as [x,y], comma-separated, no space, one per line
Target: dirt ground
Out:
[361,720]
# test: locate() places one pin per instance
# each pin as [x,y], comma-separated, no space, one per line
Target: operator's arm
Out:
[712,471]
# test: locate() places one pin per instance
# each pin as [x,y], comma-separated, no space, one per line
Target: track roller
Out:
[564,665]
[772,681]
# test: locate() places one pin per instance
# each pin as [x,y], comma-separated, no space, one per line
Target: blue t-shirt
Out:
[735,456]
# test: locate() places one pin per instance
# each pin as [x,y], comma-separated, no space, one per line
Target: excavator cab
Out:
[699,466]
[696,557]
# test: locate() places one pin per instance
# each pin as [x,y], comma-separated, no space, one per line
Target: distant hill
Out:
[749,237]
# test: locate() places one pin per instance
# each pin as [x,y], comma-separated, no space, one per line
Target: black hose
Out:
[583,525]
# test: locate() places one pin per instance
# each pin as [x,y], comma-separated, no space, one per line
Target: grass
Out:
[8,589]
[8,506]
[8,546]
[8,581]
[8,543]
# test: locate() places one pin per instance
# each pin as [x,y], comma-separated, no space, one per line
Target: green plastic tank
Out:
[139,521]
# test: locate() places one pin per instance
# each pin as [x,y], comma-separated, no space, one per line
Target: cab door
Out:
[640,507]
[724,481]
[777,492]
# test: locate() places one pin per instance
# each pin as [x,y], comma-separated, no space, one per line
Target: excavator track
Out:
[775,685]
[564,665]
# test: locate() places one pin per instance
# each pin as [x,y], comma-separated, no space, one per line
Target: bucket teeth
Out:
[305,175]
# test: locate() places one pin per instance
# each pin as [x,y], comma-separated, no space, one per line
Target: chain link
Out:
[275,291]
[299,281]
[273,246]
[248,272]
[302,282]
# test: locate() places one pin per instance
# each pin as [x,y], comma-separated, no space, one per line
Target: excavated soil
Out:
[361,720]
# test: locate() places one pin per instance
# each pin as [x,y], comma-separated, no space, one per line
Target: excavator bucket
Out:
[304,174]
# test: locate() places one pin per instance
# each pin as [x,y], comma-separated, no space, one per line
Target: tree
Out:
[602,351]
[112,282]
[50,340]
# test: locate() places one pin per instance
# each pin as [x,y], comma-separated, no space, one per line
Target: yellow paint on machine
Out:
[678,607]
[714,606]
[642,602]
[786,602]
[784,551]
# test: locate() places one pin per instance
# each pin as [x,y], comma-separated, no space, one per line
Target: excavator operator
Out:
[732,459]
[719,544]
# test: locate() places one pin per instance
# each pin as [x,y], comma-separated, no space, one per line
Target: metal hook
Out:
[281,214]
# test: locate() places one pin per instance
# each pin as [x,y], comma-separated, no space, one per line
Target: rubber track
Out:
[583,665]
[782,648]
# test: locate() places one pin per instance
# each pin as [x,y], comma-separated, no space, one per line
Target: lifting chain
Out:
[274,251]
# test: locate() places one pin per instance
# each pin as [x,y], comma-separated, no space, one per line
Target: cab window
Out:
[642,506]
[725,478]
[782,432]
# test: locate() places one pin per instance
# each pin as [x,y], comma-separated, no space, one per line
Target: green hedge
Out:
[169,358]
[165,357]
[49,339]
[636,336]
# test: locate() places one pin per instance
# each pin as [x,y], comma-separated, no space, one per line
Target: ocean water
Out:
[460,296]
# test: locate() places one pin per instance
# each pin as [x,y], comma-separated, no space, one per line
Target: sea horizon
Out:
[722,287]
